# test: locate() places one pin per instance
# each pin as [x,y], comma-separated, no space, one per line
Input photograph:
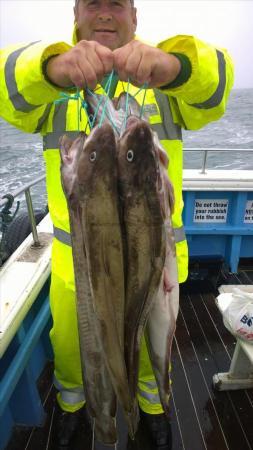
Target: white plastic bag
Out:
[238,316]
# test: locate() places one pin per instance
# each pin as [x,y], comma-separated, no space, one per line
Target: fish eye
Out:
[130,155]
[93,156]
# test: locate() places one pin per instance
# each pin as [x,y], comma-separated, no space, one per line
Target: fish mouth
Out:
[104,129]
[132,123]
[104,136]
[138,128]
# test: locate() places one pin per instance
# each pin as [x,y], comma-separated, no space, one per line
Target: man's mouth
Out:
[105,31]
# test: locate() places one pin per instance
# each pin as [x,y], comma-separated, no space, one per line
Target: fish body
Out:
[144,234]
[161,323]
[96,182]
[103,242]
[99,393]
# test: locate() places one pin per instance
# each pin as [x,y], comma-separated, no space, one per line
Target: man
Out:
[191,82]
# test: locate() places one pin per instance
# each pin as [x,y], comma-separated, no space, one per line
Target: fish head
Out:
[137,158]
[70,152]
[97,163]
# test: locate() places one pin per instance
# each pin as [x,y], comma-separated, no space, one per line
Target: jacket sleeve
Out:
[25,95]
[203,97]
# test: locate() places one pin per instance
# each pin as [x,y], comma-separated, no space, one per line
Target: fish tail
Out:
[132,419]
[105,429]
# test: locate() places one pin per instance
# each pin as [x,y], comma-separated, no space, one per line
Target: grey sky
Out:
[224,23]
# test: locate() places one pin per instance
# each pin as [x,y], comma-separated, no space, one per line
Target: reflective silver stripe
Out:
[60,116]
[59,386]
[150,384]
[43,118]
[18,101]
[179,234]
[216,98]
[159,129]
[150,109]
[65,238]
[72,398]
[171,131]
[71,395]
[154,399]
[51,140]
[62,236]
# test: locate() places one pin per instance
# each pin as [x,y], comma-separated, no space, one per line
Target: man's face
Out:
[111,23]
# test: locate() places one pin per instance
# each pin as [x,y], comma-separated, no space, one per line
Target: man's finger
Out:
[84,76]
[106,57]
[132,65]
[77,77]
[90,75]
[120,57]
[144,71]
[95,62]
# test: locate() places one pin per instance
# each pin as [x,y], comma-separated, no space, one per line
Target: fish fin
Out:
[167,284]
[65,144]
[163,157]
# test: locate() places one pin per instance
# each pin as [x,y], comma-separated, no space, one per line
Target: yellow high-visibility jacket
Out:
[27,102]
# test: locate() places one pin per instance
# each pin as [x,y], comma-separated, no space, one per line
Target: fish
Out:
[161,323]
[99,392]
[96,175]
[143,234]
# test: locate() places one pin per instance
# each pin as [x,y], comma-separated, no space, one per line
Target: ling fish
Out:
[96,178]
[99,393]
[144,234]
[161,323]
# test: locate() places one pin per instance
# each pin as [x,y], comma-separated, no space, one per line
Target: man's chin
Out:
[109,41]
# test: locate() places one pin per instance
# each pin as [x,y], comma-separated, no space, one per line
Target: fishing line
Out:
[103,98]
[128,99]
[77,97]
[107,97]
[145,86]
[102,102]
[126,108]
[79,118]
[107,113]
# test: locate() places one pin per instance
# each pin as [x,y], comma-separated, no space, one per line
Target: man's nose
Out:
[105,14]
[104,17]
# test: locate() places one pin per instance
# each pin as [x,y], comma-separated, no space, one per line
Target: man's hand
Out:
[83,66]
[142,63]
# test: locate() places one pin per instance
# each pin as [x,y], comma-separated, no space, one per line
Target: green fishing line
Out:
[103,101]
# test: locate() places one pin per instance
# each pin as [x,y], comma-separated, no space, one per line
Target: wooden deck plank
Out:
[199,355]
[211,354]
[189,391]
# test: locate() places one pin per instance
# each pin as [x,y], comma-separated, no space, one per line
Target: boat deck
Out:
[201,417]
